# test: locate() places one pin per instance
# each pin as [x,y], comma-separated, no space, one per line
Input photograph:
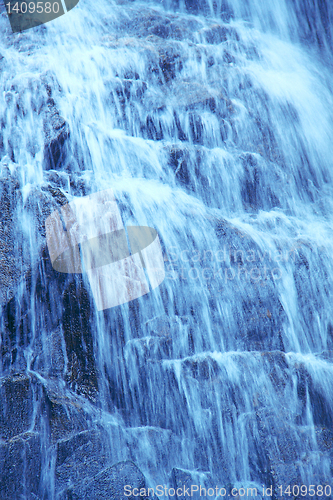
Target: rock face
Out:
[56,135]
[109,483]
[15,455]
[10,199]
[31,417]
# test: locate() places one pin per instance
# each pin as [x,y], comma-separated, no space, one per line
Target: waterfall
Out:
[212,124]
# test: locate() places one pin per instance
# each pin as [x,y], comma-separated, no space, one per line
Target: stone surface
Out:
[17,404]
[20,467]
[108,484]
[56,135]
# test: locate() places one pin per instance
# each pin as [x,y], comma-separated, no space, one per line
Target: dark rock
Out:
[50,355]
[66,350]
[181,159]
[217,9]
[170,63]
[315,28]
[257,184]
[20,467]
[81,370]
[280,446]
[143,350]
[56,135]
[215,34]
[17,254]
[109,484]
[64,415]
[17,405]
[11,259]
[195,96]
[259,314]
[32,418]
[57,194]
[127,88]
[81,457]
[184,479]
[88,444]
[26,401]
[310,392]
[153,129]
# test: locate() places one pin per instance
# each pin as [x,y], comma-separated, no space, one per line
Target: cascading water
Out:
[213,125]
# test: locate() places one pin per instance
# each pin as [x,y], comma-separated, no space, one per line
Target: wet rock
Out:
[281,448]
[170,62]
[56,194]
[109,484]
[11,259]
[20,467]
[64,415]
[17,404]
[81,457]
[306,262]
[93,446]
[324,438]
[259,314]
[166,337]
[33,417]
[184,479]
[56,135]
[164,27]
[315,29]
[26,402]
[142,350]
[81,371]
[50,133]
[63,345]
[181,159]
[256,188]
[218,33]
[310,392]
[153,129]
[127,88]
[18,254]
[17,332]
[50,355]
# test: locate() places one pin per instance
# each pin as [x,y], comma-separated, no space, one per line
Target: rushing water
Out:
[216,130]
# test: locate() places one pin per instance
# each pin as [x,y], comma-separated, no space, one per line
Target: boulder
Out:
[26,402]
[18,254]
[11,259]
[17,406]
[33,417]
[81,457]
[81,368]
[251,272]
[21,467]
[108,484]
[184,479]
[260,182]
[56,135]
